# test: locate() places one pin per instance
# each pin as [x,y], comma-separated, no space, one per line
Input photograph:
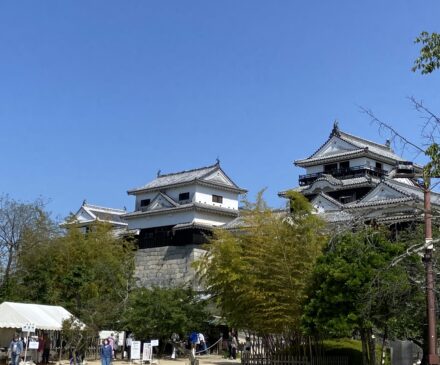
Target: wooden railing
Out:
[249,359]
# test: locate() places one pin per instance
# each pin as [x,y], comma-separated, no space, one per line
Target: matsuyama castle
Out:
[173,215]
[346,179]
[349,178]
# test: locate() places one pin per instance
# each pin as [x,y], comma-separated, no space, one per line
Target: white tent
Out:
[45,317]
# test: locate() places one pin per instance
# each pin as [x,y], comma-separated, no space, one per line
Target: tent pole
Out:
[61,345]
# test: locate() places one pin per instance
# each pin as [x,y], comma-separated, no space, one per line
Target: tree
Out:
[160,312]
[429,59]
[89,274]
[355,289]
[21,224]
[259,275]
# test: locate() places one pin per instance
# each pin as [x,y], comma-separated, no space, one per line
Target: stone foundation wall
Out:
[167,266]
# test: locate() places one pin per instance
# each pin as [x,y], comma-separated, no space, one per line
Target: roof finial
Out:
[388,143]
[217,161]
[84,202]
[335,130]
[158,173]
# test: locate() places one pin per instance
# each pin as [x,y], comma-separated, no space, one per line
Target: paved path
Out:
[203,360]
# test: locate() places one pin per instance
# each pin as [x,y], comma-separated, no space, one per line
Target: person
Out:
[174,340]
[40,349]
[106,353]
[194,340]
[46,349]
[234,346]
[202,344]
[16,348]
[111,341]
[128,342]
[248,345]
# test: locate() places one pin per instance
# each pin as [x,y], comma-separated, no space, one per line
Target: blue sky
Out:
[96,96]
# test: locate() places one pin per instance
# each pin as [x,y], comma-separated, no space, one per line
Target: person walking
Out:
[234,346]
[106,353]
[16,348]
[112,343]
[46,349]
[202,345]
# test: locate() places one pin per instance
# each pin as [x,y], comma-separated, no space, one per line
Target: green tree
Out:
[89,274]
[356,289]
[160,312]
[21,225]
[429,59]
[259,275]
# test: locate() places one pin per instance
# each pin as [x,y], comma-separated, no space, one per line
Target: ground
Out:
[203,360]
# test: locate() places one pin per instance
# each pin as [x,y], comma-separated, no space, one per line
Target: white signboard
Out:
[154,342]
[28,327]
[135,350]
[33,343]
[147,353]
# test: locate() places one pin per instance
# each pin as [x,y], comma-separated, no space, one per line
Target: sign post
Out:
[28,328]
[135,353]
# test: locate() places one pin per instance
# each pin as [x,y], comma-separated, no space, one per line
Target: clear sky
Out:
[96,96]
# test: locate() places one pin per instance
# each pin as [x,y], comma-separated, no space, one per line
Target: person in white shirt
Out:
[202,344]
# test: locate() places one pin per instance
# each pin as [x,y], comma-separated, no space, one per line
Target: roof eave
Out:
[185,183]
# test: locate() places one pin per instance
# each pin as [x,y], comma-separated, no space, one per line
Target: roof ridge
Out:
[186,171]
[380,145]
[329,198]
[387,182]
[92,206]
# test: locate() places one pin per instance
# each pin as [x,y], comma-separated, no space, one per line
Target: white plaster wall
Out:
[174,193]
[362,161]
[212,219]
[314,169]
[160,220]
[204,194]
[142,197]
[369,162]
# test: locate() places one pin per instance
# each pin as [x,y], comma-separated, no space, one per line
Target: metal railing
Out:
[344,173]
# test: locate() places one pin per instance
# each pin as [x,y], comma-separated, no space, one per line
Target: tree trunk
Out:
[371,347]
[364,347]
[385,335]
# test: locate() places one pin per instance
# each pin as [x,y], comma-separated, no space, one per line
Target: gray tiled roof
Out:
[179,177]
[360,145]
[372,146]
[183,177]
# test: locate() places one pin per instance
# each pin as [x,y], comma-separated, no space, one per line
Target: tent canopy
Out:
[45,317]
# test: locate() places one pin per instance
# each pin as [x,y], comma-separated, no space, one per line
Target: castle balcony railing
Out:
[343,173]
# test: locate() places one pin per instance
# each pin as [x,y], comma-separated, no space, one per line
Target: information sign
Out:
[135,350]
[28,327]
[154,342]
[147,353]
[33,343]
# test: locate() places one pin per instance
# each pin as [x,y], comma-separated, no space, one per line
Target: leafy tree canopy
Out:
[429,59]
[259,275]
[160,312]
[355,288]
[89,274]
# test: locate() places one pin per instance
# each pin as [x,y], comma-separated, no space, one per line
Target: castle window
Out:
[145,203]
[378,166]
[217,199]
[183,196]
[330,167]
[344,165]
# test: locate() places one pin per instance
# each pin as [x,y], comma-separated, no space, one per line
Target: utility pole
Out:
[433,358]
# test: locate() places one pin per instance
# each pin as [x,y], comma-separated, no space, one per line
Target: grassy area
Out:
[350,348]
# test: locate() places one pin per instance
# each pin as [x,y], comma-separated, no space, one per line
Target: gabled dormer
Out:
[345,156]
[205,196]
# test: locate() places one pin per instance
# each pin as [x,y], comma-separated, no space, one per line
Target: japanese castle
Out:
[181,208]
[174,214]
[350,178]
